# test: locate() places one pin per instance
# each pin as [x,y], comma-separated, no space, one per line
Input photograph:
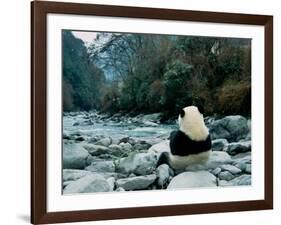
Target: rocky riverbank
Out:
[103,153]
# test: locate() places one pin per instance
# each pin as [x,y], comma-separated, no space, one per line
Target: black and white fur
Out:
[191,144]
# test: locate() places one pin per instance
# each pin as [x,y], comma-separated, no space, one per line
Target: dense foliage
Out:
[153,73]
[82,80]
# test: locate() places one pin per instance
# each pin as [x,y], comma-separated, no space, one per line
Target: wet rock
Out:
[74,156]
[136,183]
[88,184]
[193,180]
[163,175]
[219,144]
[232,128]
[138,163]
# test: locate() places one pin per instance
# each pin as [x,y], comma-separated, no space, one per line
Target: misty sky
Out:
[85,36]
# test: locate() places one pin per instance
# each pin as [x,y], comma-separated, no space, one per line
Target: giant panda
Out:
[191,144]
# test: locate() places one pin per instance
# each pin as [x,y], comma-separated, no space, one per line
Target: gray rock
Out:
[192,180]
[111,182]
[232,128]
[127,147]
[160,147]
[101,166]
[230,168]
[136,183]
[138,163]
[242,166]
[141,146]
[155,117]
[73,174]
[80,138]
[88,184]
[215,160]
[219,144]
[117,150]
[96,150]
[104,142]
[225,175]
[124,139]
[238,147]
[74,156]
[216,171]
[163,175]
[150,124]
[245,158]
[152,141]
[65,183]
[120,189]
[242,180]
[223,183]
[248,168]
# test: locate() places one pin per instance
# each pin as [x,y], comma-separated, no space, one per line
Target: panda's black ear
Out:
[200,108]
[182,113]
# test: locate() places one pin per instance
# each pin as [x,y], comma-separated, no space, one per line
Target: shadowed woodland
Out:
[148,73]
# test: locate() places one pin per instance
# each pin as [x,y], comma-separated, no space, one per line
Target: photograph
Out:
[154,112]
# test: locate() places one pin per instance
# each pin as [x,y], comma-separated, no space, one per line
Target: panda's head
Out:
[191,122]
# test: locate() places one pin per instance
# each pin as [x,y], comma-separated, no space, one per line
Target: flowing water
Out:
[111,128]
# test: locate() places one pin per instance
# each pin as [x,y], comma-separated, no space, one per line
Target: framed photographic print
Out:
[144,112]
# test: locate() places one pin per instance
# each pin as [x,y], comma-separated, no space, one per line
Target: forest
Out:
[149,73]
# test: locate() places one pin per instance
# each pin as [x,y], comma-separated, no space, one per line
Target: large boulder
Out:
[136,183]
[193,180]
[74,156]
[137,163]
[88,184]
[232,128]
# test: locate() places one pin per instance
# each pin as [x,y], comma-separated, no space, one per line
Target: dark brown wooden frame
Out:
[39,11]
